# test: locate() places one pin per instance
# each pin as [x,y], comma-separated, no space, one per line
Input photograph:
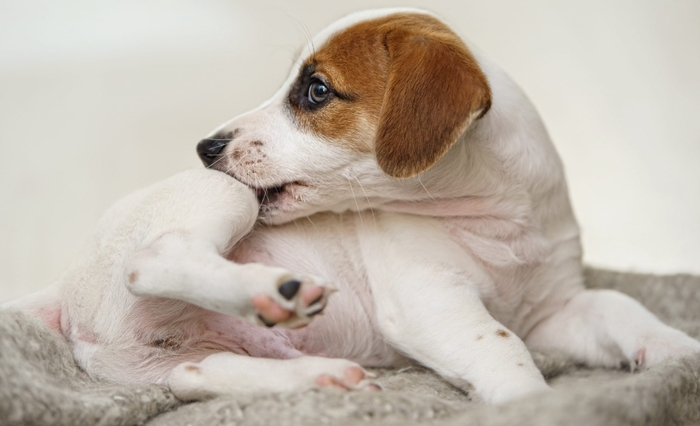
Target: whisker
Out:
[221,157]
[265,197]
[367,198]
[306,33]
[426,190]
[312,222]
[356,204]
[229,168]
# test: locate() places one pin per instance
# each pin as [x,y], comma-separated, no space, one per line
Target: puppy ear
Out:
[435,90]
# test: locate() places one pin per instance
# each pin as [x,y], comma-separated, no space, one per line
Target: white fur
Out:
[455,268]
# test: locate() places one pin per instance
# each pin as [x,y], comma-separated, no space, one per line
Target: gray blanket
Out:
[41,385]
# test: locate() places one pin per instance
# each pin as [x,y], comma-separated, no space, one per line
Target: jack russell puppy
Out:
[396,165]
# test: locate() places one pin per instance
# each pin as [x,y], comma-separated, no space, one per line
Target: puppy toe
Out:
[269,311]
[353,378]
[328,381]
[312,295]
[354,375]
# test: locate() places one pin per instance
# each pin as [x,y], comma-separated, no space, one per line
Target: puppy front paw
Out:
[296,302]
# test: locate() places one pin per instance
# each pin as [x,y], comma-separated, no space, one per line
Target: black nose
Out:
[209,149]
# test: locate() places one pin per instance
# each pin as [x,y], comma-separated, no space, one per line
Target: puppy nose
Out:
[209,149]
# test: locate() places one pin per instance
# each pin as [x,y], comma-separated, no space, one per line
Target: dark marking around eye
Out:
[299,90]
[298,94]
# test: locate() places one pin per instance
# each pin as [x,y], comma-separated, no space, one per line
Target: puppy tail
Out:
[44,305]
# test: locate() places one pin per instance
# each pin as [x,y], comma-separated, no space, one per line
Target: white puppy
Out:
[448,232]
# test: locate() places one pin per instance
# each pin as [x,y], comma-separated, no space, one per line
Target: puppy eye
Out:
[318,92]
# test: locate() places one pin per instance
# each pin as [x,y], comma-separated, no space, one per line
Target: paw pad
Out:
[300,301]
[289,289]
[353,378]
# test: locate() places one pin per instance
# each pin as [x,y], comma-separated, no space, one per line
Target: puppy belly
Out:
[241,337]
[347,327]
[345,332]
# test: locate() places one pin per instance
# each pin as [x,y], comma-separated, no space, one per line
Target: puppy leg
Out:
[605,328]
[428,306]
[180,266]
[228,373]
[44,305]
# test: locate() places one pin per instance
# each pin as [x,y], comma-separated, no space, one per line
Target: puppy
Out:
[397,165]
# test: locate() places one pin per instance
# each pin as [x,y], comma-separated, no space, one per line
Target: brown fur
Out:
[411,85]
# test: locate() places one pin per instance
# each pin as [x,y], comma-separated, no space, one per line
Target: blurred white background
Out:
[100,98]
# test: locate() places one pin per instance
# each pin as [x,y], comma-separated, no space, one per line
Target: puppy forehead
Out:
[350,39]
[353,19]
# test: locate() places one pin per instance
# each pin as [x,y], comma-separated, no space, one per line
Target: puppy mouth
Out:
[271,195]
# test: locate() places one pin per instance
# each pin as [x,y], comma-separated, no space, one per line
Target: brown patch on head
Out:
[133,276]
[502,333]
[405,82]
[354,64]
[479,337]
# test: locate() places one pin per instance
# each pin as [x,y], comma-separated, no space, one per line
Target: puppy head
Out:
[381,99]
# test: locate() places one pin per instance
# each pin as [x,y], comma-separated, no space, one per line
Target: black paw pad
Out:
[289,288]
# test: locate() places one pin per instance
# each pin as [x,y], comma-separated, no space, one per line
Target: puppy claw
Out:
[265,322]
[373,387]
[641,354]
[315,312]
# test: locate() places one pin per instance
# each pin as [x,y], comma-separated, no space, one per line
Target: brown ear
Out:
[435,89]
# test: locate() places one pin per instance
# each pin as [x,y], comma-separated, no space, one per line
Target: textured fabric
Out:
[40,385]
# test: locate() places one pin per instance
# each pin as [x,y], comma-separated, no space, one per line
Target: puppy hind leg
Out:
[44,305]
[605,328]
[180,266]
[226,373]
